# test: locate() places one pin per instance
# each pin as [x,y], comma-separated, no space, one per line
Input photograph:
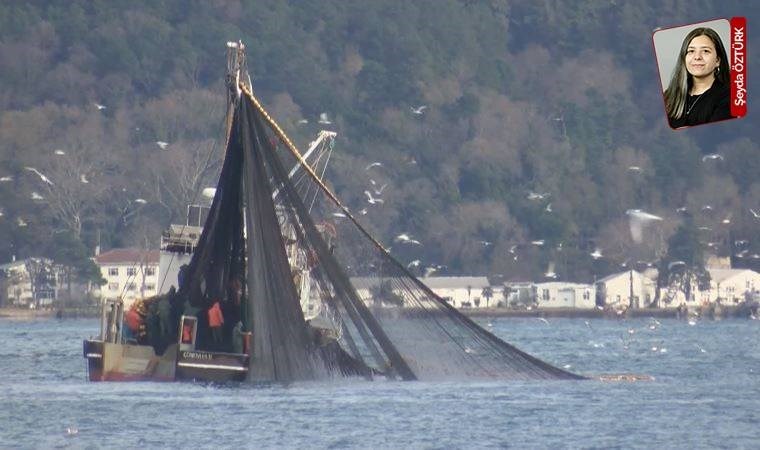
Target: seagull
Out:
[338,214]
[374,164]
[83,179]
[512,249]
[20,222]
[681,210]
[414,263]
[42,177]
[371,199]
[363,211]
[1,213]
[72,431]
[59,152]
[403,237]
[36,196]
[634,168]
[596,254]
[757,216]
[378,191]
[537,196]
[429,271]
[141,201]
[100,107]
[538,242]
[419,110]
[6,178]
[712,156]
[548,208]
[543,320]
[323,119]
[303,122]
[638,219]
[550,271]
[162,144]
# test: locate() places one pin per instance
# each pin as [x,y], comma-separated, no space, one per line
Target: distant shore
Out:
[741,311]
[28,314]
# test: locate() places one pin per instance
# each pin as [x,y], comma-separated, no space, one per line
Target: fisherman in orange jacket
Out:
[215,322]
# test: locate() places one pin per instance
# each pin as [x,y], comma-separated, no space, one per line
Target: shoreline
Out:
[30,314]
[729,311]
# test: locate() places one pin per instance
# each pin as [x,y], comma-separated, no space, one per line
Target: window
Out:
[131,287]
[149,271]
[545,294]
[113,286]
[150,287]
[131,271]
[113,271]
[586,295]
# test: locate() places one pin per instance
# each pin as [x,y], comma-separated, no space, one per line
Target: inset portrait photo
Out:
[694,62]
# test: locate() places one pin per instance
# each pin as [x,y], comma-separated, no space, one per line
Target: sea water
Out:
[705,394]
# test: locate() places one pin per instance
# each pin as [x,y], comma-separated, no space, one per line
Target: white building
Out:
[560,294]
[615,289]
[464,292]
[732,286]
[129,273]
[459,292]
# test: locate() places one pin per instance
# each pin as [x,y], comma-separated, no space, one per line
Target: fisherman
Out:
[215,322]
[133,320]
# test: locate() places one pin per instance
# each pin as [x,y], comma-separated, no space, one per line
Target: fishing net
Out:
[320,296]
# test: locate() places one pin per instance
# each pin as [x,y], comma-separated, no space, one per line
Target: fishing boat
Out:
[268,287]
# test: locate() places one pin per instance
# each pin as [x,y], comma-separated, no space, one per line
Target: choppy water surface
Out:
[705,395]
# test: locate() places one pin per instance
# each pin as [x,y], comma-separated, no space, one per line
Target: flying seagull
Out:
[83,179]
[40,174]
[537,196]
[757,216]
[162,144]
[374,164]
[323,119]
[637,220]
[36,196]
[419,109]
[100,107]
[550,273]
[371,199]
[6,178]
[596,254]
[303,122]
[712,157]
[59,152]
[141,201]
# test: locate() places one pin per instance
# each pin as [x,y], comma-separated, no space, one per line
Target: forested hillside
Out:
[522,97]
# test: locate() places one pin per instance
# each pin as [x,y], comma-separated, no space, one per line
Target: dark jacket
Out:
[711,105]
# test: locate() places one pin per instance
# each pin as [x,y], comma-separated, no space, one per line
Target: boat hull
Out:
[127,362]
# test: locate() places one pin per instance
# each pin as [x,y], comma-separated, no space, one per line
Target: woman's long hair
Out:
[681,81]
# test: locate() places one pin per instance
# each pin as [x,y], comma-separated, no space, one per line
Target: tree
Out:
[487,293]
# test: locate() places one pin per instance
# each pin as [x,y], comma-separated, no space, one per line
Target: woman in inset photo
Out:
[698,91]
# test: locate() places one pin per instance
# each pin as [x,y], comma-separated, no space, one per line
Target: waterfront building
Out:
[129,273]
[615,290]
[562,294]
[732,286]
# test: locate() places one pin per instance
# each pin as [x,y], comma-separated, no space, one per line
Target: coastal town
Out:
[130,274]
